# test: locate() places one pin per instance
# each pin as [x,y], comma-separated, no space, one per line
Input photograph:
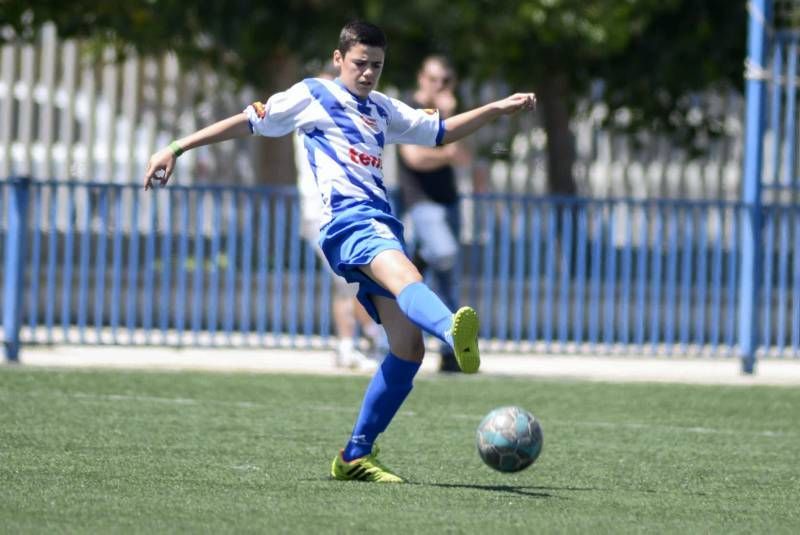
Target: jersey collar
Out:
[358,98]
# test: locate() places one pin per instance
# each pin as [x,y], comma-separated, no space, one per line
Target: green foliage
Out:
[695,47]
[237,37]
[651,54]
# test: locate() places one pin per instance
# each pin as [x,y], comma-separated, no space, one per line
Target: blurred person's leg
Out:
[437,247]
[375,334]
[445,270]
[343,308]
[344,321]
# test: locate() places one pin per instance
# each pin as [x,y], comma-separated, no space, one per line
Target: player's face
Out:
[360,68]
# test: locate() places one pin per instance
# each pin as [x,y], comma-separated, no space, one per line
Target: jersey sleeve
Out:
[413,126]
[282,113]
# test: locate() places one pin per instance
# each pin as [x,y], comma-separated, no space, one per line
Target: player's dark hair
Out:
[360,32]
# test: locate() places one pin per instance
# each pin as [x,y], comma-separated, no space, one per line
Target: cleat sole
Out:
[465,339]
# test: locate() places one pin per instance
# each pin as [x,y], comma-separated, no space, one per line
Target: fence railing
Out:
[94,263]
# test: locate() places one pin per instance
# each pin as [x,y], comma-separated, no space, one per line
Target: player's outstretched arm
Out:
[464,124]
[161,164]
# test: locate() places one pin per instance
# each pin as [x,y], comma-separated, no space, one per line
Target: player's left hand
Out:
[517,102]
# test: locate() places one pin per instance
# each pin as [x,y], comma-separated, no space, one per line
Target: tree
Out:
[652,55]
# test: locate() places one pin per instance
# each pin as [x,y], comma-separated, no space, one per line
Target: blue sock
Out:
[388,389]
[426,310]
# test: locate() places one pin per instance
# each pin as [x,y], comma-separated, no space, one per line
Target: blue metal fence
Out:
[213,265]
[184,266]
[643,275]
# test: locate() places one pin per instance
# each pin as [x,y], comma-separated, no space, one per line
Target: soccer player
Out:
[346,124]
[347,311]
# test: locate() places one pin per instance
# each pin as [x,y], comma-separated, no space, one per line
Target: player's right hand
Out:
[517,102]
[159,168]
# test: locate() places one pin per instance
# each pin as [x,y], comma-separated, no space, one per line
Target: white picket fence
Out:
[64,116]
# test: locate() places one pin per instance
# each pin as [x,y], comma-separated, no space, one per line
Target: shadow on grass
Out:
[522,490]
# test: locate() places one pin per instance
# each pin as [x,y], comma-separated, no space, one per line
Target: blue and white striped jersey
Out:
[344,136]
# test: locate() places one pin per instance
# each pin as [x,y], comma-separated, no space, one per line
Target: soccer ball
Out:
[509,439]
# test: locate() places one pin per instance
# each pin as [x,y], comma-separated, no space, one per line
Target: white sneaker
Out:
[342,357]
[354,360]
[366,364]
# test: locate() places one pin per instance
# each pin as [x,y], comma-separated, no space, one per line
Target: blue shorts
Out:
[354,238]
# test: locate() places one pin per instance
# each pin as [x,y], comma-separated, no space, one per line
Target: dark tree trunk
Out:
[552,96]
[274,159]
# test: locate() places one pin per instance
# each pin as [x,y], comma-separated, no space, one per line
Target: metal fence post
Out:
[14,265]
[751,187]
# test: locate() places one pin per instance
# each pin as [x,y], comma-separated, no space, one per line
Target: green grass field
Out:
[146,452]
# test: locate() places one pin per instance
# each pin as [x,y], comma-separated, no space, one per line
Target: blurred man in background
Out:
[429,193]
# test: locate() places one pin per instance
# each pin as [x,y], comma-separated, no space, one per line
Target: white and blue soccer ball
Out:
[509,439]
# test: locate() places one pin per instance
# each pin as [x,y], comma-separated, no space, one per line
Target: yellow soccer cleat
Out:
[464,333]
[367,468]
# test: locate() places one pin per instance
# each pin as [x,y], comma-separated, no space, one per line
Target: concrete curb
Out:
[601,368]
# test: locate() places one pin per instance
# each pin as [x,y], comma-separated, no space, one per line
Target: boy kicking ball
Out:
[345,125]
